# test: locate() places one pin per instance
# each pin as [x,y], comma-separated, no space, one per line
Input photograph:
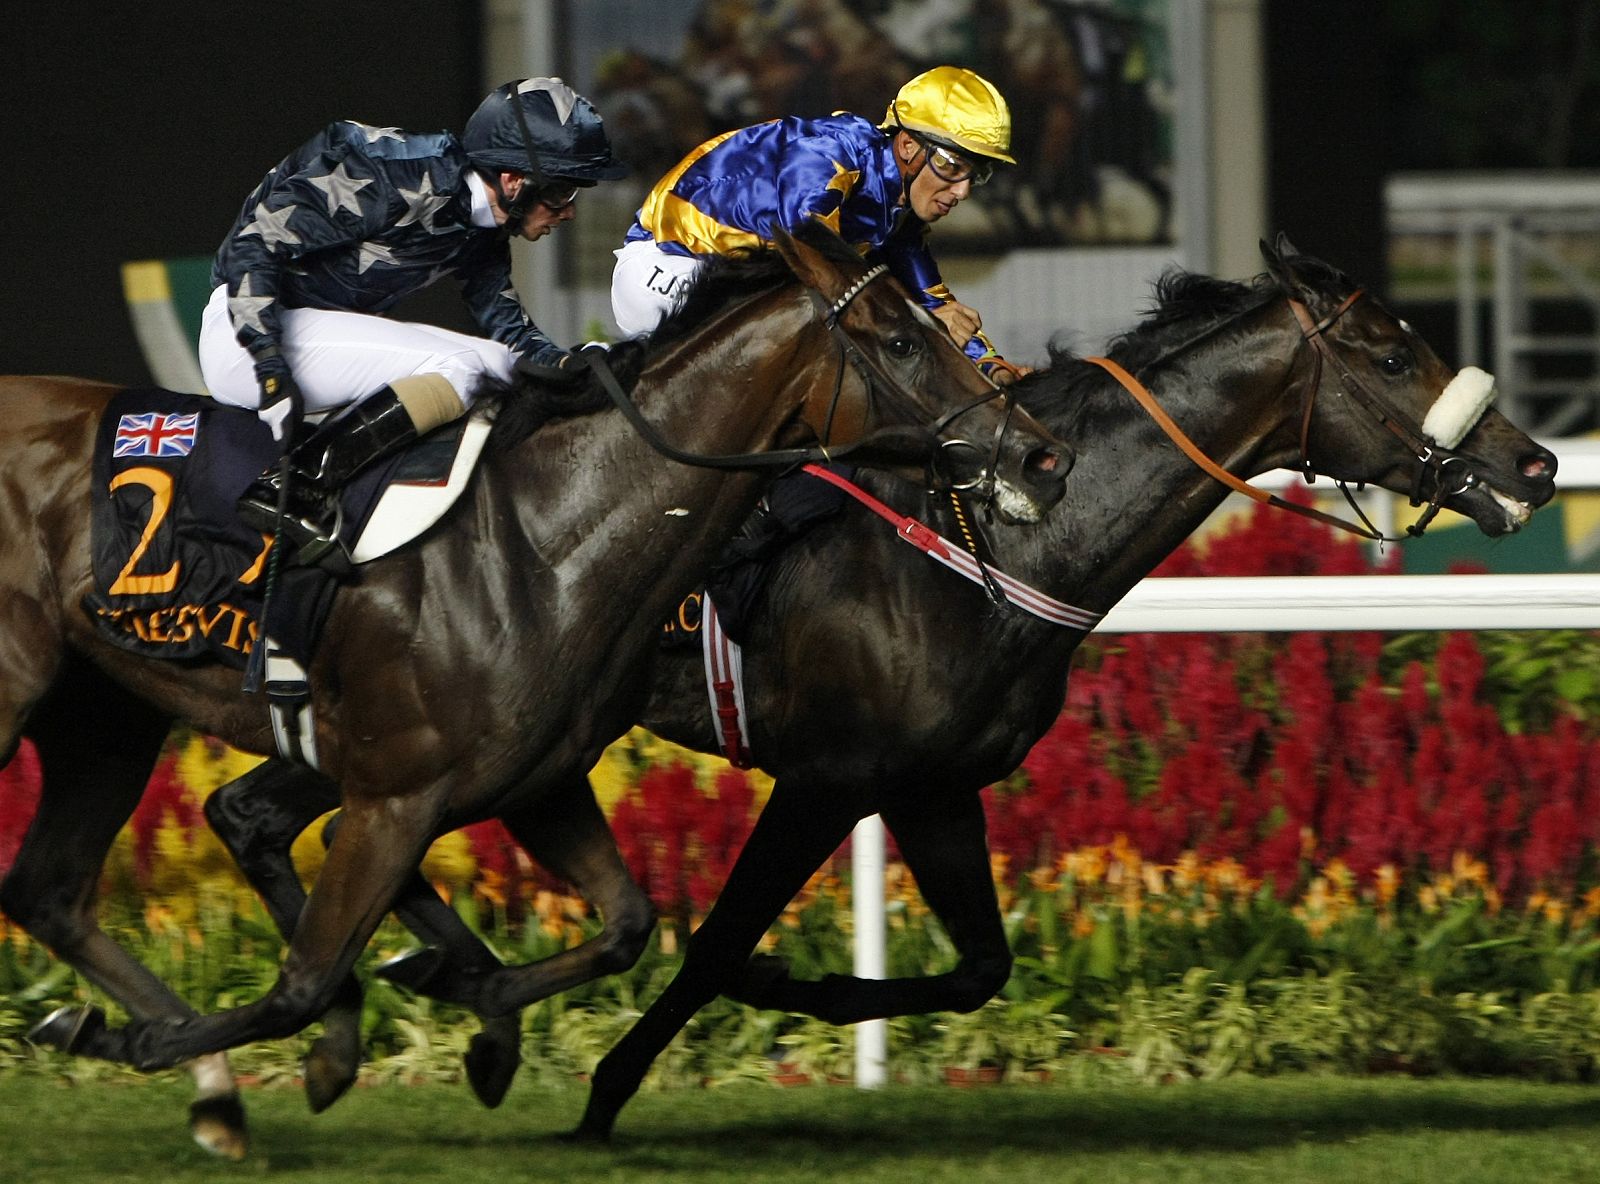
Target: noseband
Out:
[1433,461]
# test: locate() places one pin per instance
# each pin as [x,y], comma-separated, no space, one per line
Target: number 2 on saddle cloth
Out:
[176,574]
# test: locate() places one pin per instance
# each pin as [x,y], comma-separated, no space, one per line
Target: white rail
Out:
[1273,604]
[1279,604]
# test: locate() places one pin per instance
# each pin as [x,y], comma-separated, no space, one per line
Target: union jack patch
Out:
[157,435]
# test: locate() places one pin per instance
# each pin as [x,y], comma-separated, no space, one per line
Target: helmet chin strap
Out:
[517,208]
[908,179]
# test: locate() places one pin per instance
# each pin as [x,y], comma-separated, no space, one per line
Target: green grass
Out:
[1277,1131]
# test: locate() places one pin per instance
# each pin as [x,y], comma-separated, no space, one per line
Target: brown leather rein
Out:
[1431,458]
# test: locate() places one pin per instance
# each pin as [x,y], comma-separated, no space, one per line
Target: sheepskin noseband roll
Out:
[1459,406]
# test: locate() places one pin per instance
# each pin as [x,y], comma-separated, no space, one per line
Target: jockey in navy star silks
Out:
[880,187]
[347,225]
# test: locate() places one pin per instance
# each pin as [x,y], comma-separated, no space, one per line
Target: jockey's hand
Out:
[282,408]
[961,321]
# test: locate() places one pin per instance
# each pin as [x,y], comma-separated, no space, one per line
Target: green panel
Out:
[1541,546]
[190,278]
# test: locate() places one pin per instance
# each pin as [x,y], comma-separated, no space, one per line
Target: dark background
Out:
[135,131]
[1327,91]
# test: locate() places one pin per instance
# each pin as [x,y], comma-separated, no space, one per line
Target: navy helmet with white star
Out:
[567,134]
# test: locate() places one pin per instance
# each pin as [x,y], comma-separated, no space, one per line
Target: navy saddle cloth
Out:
[176,574]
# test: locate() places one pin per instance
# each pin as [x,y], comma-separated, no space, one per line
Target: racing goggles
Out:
[952,167]
[556,196]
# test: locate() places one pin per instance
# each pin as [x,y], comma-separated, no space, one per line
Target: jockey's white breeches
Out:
[646,284]
[339,357]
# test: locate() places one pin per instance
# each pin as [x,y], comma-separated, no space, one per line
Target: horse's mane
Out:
[1185,306]
[531,400]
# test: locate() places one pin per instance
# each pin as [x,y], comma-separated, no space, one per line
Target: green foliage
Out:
[1101,992]
[1532,676]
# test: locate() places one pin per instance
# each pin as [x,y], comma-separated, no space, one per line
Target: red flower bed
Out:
[19,798]
[1283,753]
[680,841]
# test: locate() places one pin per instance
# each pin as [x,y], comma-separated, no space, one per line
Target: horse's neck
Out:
[1133,496]
[582,486]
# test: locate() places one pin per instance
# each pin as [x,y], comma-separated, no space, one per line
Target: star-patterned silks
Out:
[562,97]
[422,203]
[844,180]
[272,226]
[341,188]
[374,134]
[374,252]
[356,219]
[246,307]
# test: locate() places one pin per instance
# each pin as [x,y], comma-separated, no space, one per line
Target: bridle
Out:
[1431,483]
[1433,462]
[871,373]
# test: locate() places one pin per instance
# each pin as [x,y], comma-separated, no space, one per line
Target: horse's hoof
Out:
[492,1060]
[592,1133]
[218,1125]
[414,970]
[70,1029]
[329,1072]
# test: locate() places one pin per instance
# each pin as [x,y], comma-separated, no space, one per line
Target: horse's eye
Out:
[1396,363]
[904,347]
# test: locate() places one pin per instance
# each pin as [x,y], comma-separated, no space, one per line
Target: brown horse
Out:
[930,691]
[481,671]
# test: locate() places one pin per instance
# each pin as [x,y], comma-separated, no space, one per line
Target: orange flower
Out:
[1155,879]
[1186,872]
[491,886]
[1387,881]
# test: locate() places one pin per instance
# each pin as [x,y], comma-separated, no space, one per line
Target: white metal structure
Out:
[1531,230]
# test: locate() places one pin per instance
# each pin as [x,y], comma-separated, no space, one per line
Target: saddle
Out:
[178,576]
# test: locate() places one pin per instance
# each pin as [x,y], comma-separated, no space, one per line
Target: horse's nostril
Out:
[1044,460]
[1540,464]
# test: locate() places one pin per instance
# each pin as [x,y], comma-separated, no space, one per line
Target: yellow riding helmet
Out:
[955,105]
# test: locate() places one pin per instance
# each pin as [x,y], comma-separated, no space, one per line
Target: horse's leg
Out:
[383,839]
[944,844]
[258,816]
[94,775]
[567,834]
[796,831]
[452,968]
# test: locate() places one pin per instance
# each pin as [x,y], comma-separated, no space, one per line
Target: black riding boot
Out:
[341,447]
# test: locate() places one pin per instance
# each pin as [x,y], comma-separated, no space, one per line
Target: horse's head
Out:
[1380,406]
[901,393]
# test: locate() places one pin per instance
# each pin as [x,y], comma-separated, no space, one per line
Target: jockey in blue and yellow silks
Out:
[880,187]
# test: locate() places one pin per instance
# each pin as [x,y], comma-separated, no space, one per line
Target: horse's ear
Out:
[1279,265]
[810,265]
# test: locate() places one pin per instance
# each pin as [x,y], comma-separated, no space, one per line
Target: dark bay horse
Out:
[966,690]
[480,671]
[929,692]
